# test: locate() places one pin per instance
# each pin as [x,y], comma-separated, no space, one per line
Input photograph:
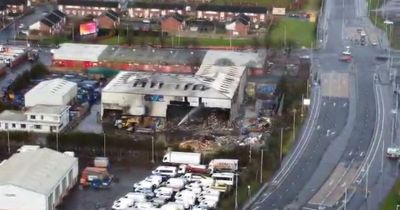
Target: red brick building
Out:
[51,24]
[239,26]
[228,13]
[108,20]
[154,10]
[86,7]
[172,23]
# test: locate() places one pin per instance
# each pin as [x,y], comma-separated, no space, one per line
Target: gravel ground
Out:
[90,199]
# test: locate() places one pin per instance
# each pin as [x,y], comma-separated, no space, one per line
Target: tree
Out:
[39,69]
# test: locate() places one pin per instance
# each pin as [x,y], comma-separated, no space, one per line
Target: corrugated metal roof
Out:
[79,52]
[56,87]
[38,171]
[209,82]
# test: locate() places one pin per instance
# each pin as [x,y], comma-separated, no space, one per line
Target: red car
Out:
[346,58]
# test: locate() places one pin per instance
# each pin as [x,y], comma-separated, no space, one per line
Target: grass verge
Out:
[393,198]
[298,33]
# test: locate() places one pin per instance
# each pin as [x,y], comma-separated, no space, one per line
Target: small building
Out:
[153,94]
[77,56]
[108,20]
[38,119]
[58,92]
[154,10]
[172,23]
[51,24]
[240,25]
[36,179]
[229,12]
[86,7]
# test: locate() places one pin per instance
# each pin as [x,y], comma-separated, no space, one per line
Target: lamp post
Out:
[152,149]
[236,191]
[261,166]
[8,142]
[294,123]
[104,144]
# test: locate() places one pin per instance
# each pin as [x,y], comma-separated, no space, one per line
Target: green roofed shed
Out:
[106,72]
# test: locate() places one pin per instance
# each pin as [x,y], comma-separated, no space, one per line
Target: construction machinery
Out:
[127,122]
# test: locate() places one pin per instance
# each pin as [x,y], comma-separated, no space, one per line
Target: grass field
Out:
[298,32]
[183,41]
[393,198]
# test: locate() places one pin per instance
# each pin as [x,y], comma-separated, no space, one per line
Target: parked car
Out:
[169,171]
[122,203]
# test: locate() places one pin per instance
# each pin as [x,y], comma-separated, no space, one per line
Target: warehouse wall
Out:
[12,197]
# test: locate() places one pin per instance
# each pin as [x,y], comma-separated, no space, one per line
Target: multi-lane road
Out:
[339,155]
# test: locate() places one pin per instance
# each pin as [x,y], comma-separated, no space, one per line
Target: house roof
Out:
[47,109]
[53,18]
[231,8]
[38,171]
[16,2]
[111,14]
[242,18]
[11,115]
[46,22]
[156,5]
[89,3]
[59,13]
[178,17]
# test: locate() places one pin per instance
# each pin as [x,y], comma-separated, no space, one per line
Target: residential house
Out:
[239,26]
[228,12]
[172,23]
[51,24]
[86,7]
[17,6]
[154,10]
[108,20]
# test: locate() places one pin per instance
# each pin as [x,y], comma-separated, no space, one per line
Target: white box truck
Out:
[228,165]
[393,152]
[182,158]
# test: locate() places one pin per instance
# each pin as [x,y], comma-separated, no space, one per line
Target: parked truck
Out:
[223,165]
[393,152]
[98,176]
[182,158]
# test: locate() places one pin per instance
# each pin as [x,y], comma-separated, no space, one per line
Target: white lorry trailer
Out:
[182,158]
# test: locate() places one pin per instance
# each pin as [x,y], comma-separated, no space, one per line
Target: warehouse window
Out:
[57,195]
[13,125]
[38,127]
[64,183]
[41,117]
[23,125]
[70,177]
[33,117]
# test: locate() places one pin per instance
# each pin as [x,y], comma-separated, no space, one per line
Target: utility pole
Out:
[8,142]
[57,140]
[104,144]
[236,191]
[281,147]
[302,106]
[152,149]
[345,198]
[284,38]
[261,166]
[383,154]
[294,123]
[366,183]
[249,153]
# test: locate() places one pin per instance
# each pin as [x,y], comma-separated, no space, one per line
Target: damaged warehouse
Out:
[153,94]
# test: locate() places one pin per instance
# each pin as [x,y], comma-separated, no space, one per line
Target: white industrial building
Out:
[58,92]
[36,179]
[150,94]
[39,118]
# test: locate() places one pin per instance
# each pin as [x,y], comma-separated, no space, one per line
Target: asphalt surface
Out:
[348,131]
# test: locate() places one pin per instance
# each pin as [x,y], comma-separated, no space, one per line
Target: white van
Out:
[176,183]
[170,171]
[136,197]
[122,203]
[224,178]
[173,206]
[164,192]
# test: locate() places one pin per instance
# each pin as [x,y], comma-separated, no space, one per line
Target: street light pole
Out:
[236,191]
[152,149]
[261,166]
[8,142]
[104,144]
[57,140]
[281,146]
[366,183]
[294,123]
